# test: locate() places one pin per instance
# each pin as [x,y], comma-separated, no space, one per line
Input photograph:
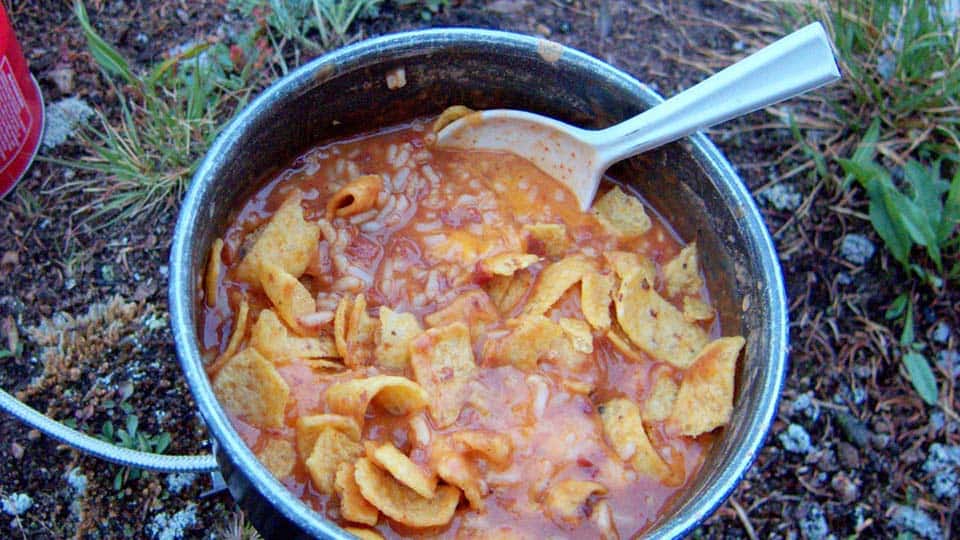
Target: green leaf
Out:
[161,442]
[896,307]
[107,430]
[921,376]
[5,354]
[895,237]
[906,338]
[950,217]
[865,151]
[118,480]
[132,423]
[109,59]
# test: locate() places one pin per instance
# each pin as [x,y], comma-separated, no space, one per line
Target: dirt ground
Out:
[849,453]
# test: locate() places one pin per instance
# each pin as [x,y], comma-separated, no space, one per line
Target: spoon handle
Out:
[790,66]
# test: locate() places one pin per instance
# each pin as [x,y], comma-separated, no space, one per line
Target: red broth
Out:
[440,214]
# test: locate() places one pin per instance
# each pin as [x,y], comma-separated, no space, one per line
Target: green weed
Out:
[130,437]
[168,118]
[918,367]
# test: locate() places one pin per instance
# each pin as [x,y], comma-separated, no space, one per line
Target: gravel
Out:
[812,522]
[856,248]
[796,440]
[164,527]
[63,119]
[916,521]
[16,504]
[783,197]
[943,466]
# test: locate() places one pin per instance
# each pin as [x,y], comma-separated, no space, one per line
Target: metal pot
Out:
[346,92]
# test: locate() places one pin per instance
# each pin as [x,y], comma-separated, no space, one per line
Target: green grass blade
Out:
[109,59]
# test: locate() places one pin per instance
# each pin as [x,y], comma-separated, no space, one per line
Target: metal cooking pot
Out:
[345,93]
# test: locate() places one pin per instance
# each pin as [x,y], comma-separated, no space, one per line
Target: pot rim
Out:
[182,290]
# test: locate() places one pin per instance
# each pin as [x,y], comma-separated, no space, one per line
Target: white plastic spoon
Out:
[578,157]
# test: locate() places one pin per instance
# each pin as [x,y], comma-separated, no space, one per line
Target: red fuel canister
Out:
[21,109]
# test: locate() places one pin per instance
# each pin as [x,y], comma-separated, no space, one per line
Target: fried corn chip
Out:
[705,399]
[596,294]
[682,273]
[507,264]
[271,338]
[359,195]
[239,329]
[397,330]
[442,360]
[654,325]
[401,503]
[364,534]
[408,473]
[626,264]
[473,308]
[214,267]
[457,471]
[449,115]
[288,295]
[622,214]
[551,236]
[398,395]
[623,429]
[278,456]
[340,324]
[288,241]
[535,338]
[621,343]
[249,386]
[565,499]
[507,292]
[308,427]
[554,280]
[236,337]
[331,448]
[579,334]
[494,447]
[361,334]
[353,507]
[696,310]
[659,402]
[602,517]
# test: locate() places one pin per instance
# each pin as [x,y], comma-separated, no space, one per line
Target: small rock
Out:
[62,77]
[164,527]
[856,248]
[949,361]
[854,430]
[796,440]
[77,480]
[739,46]
[941,332]
[33,434]
[564,27]
[845,487]
[943,466]
[16,450]
[844,278]
[880,440]
[812,522]
[804,405]
[177,481]
[16,504]
[915,520]
[937,421]
[783,197]
[848,454]
[63,118]
[543,29]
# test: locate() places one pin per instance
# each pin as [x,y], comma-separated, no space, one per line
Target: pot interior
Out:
[346,93]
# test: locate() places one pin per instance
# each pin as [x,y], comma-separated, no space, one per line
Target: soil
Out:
[86,311]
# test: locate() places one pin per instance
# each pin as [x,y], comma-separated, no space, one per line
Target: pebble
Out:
[795,439]
[856,248]
[854,430]
[164,527]
[804,405]
[62,77]
[177,481]
[16,504]
[16,450]
[845,487]
[949,362]
[812,522]
[943,466]
[941,332]
[915,520]
[849,455]
[783,197]
[63,119]
[77,480]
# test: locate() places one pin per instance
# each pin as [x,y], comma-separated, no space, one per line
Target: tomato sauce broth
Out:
[477,207]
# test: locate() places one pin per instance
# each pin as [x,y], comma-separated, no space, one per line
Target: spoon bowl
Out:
[795,64]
